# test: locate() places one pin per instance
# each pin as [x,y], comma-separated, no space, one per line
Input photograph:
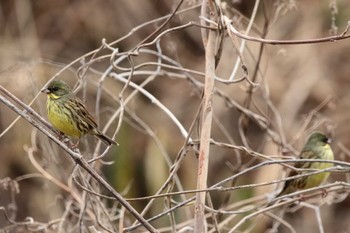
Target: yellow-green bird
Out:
[68,114]
[316,147]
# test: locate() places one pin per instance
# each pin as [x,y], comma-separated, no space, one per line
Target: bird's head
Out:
[56,89]
[318,138]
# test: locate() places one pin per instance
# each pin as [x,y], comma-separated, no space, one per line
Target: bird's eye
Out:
[54,89]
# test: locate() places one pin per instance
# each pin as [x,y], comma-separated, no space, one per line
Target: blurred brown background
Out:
[38,38]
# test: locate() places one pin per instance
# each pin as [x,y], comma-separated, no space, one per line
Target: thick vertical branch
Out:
[206,121]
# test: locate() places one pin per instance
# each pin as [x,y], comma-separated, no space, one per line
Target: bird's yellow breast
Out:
[314,180]
[60,117]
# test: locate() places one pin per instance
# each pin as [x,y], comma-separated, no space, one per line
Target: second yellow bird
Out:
[317,147]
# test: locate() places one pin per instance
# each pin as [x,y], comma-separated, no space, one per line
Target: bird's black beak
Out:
[329,140]
[46,91]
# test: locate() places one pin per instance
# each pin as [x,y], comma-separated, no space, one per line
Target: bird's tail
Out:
[106,140]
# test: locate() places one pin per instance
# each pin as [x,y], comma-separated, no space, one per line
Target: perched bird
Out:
[68,114]
[316,147]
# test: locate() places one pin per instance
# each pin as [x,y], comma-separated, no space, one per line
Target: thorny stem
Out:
[206,120]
